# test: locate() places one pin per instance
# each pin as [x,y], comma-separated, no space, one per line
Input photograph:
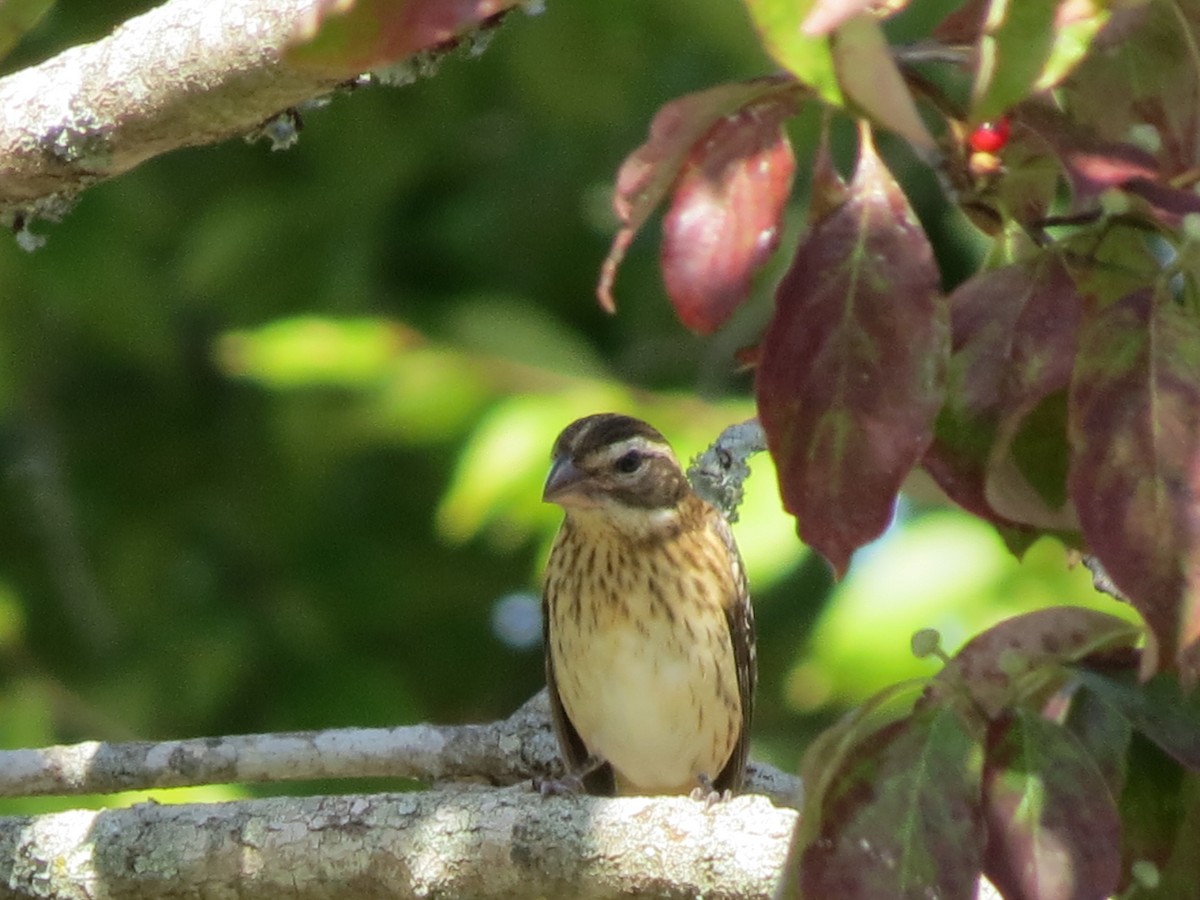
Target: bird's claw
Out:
[708,794]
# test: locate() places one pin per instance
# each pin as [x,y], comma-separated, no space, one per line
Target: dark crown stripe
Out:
[602,430]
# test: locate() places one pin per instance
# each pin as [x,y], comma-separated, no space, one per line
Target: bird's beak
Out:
[564,478]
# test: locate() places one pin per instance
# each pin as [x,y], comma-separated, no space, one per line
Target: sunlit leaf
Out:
[852,364]
[1023,656]
[726,213]
[901,818]
[348,37]
[1158,708]
[868,76]
[1135,470]
[315,351]
[1053,830]
[780,27]
[1030,46]
[652,170]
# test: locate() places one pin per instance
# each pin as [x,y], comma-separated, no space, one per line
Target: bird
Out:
[647,623]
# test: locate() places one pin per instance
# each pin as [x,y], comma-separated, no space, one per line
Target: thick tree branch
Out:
[462,843]
[186,73]
[516,749]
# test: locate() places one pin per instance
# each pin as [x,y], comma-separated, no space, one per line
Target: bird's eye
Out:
[629,463]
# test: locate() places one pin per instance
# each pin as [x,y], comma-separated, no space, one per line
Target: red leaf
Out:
[651,171]
[852,364]
[1026,480]
[1144,82]
[726,213]
[901,818]
[1013,334]
[1092,164]
[1135,468]
[1168,204]
[1053,829]
[347,38]
[1002,667]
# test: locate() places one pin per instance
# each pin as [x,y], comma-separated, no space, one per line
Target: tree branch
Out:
[187,72]
[462,843]
[517,749]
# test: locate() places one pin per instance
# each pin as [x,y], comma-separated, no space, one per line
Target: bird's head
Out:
[618,470]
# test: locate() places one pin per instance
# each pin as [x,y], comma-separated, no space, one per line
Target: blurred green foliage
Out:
[273,425]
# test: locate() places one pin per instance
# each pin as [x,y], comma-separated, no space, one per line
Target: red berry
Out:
[990,137]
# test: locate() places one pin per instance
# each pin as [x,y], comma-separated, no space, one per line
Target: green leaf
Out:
[1158,708]
[1029,46]
[808,58]
[868,75]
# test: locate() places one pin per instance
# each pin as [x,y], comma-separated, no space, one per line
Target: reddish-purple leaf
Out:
[1053,829]
[1027,466]
[1013,335]
[1135,468]
[1092,164]
[1144,83]
[1000,667]
[346,38]
[852,364]
[726,213]
[901,818]
[1167,204]
[677,132]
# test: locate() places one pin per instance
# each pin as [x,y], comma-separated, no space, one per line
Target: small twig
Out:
[1101,580]
[718,473]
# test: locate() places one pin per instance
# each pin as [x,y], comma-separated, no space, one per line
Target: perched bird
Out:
[649,634]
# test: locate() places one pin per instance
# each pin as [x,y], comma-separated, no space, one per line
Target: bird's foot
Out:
[572,782]
[707,793]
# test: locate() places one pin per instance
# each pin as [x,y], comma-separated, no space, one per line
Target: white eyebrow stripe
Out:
[616,451]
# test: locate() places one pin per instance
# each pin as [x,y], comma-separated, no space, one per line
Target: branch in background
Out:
[718,473]
[187,73]
[460,843]
[517,749]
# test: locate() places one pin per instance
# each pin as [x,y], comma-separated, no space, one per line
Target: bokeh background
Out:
[273,425]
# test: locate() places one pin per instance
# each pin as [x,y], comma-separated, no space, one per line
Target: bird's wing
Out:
[739,616]
[599,780]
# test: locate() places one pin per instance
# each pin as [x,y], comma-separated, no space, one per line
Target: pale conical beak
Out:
[563,478]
